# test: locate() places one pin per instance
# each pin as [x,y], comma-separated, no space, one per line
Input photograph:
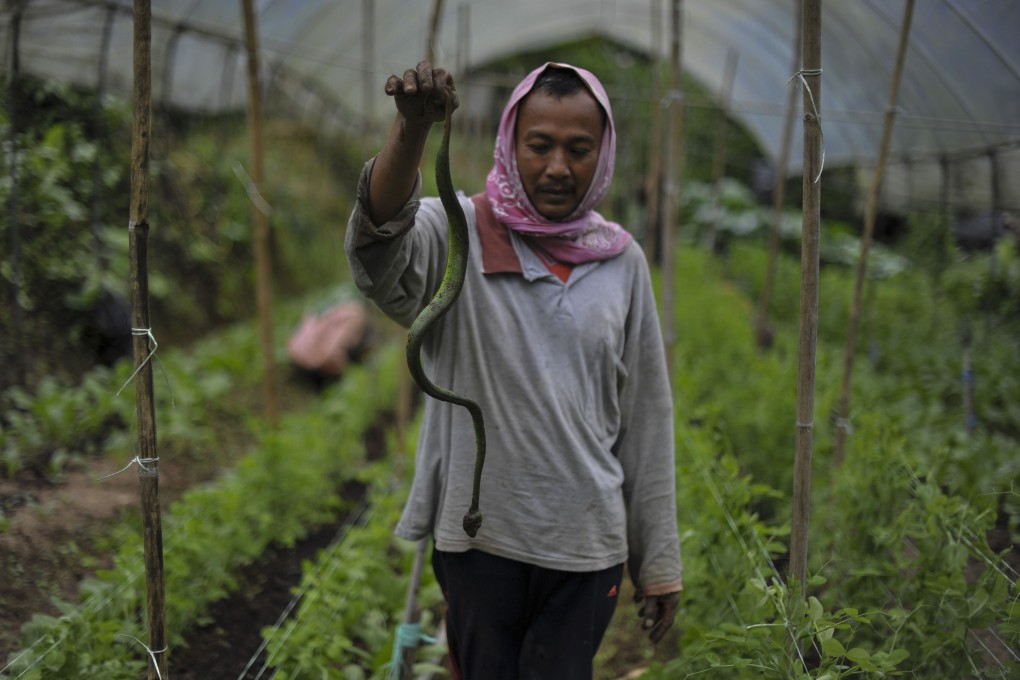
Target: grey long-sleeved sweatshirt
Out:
[571,378]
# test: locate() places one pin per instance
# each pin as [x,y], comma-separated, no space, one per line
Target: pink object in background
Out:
[323,342]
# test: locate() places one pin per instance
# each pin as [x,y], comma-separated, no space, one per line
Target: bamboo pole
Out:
[412,612]
[674,173]
[263,259]
[430,48]
[945,223]
[993,177]
[969,412]
[763,331]
[653,181]
[719,157]
[99,133]
[808,338]
[843,412]
[145,409]
[16,362]
[368,60]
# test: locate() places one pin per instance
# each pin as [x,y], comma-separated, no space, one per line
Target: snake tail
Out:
[449,291]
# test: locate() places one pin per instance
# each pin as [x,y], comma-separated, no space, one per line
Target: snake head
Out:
[472,522]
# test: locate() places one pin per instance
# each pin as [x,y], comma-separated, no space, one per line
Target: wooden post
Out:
[16,361]
[263,259]
[969,412]
[143,343]
[942,228]
[763,331]
[430,48]
[808,338]
[674,174]
[843,412]
[463,37]
[719,157]
[98,133]
[412,612]
[368,61]
[993,178]
[653,181]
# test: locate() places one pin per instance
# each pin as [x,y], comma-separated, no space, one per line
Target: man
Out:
[556,336]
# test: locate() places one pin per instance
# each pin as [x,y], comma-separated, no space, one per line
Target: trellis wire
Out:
[360,516]
[731,522]
[87,605]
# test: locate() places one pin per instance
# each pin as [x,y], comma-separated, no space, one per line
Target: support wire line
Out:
[358,517]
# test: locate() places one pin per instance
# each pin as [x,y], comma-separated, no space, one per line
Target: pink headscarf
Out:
[584,236]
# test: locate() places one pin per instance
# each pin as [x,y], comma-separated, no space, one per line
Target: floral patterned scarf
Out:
[584,236]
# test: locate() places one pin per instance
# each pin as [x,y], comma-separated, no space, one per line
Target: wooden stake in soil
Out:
[138,231]
[843,415]
[719,157]
[763,332]
[810,75]
[674,174]
[653,183]
[433,39]
[263,260]
[16,363]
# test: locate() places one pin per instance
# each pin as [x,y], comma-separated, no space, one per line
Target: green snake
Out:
[449,290]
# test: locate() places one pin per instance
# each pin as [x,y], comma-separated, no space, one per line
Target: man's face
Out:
[558,142]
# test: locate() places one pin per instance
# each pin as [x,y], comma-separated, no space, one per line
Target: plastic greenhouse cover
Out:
[960,91]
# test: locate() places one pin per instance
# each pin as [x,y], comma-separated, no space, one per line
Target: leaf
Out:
[897,656]
[833,648]
[815,609]
[862,658]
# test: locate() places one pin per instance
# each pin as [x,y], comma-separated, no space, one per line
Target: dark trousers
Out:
[507,620]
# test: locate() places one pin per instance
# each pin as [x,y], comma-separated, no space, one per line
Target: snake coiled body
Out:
[449,290]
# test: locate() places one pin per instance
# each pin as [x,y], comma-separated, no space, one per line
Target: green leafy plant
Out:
[290,481]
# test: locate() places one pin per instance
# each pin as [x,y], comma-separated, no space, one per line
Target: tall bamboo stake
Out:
[430,48]
[763,333]
[970,415]
[145,409]
[412,612]
[367,62]
[993,177]
[653,181]
[16,363]
[719,157]
[674,173]
[263,259]
[98,133]
[812,192]
[843,413]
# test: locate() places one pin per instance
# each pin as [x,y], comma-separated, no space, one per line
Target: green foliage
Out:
[64,190]
[290,481]
[46,430]
[68,195]
[905,579]
[352,599]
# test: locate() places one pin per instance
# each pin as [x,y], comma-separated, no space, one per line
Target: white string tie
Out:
[153,346]
[140,462]
[814,108]
[152,654]
[253,191]
[670,96]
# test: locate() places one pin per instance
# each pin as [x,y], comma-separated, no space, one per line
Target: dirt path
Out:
[58,529]
[56,535]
